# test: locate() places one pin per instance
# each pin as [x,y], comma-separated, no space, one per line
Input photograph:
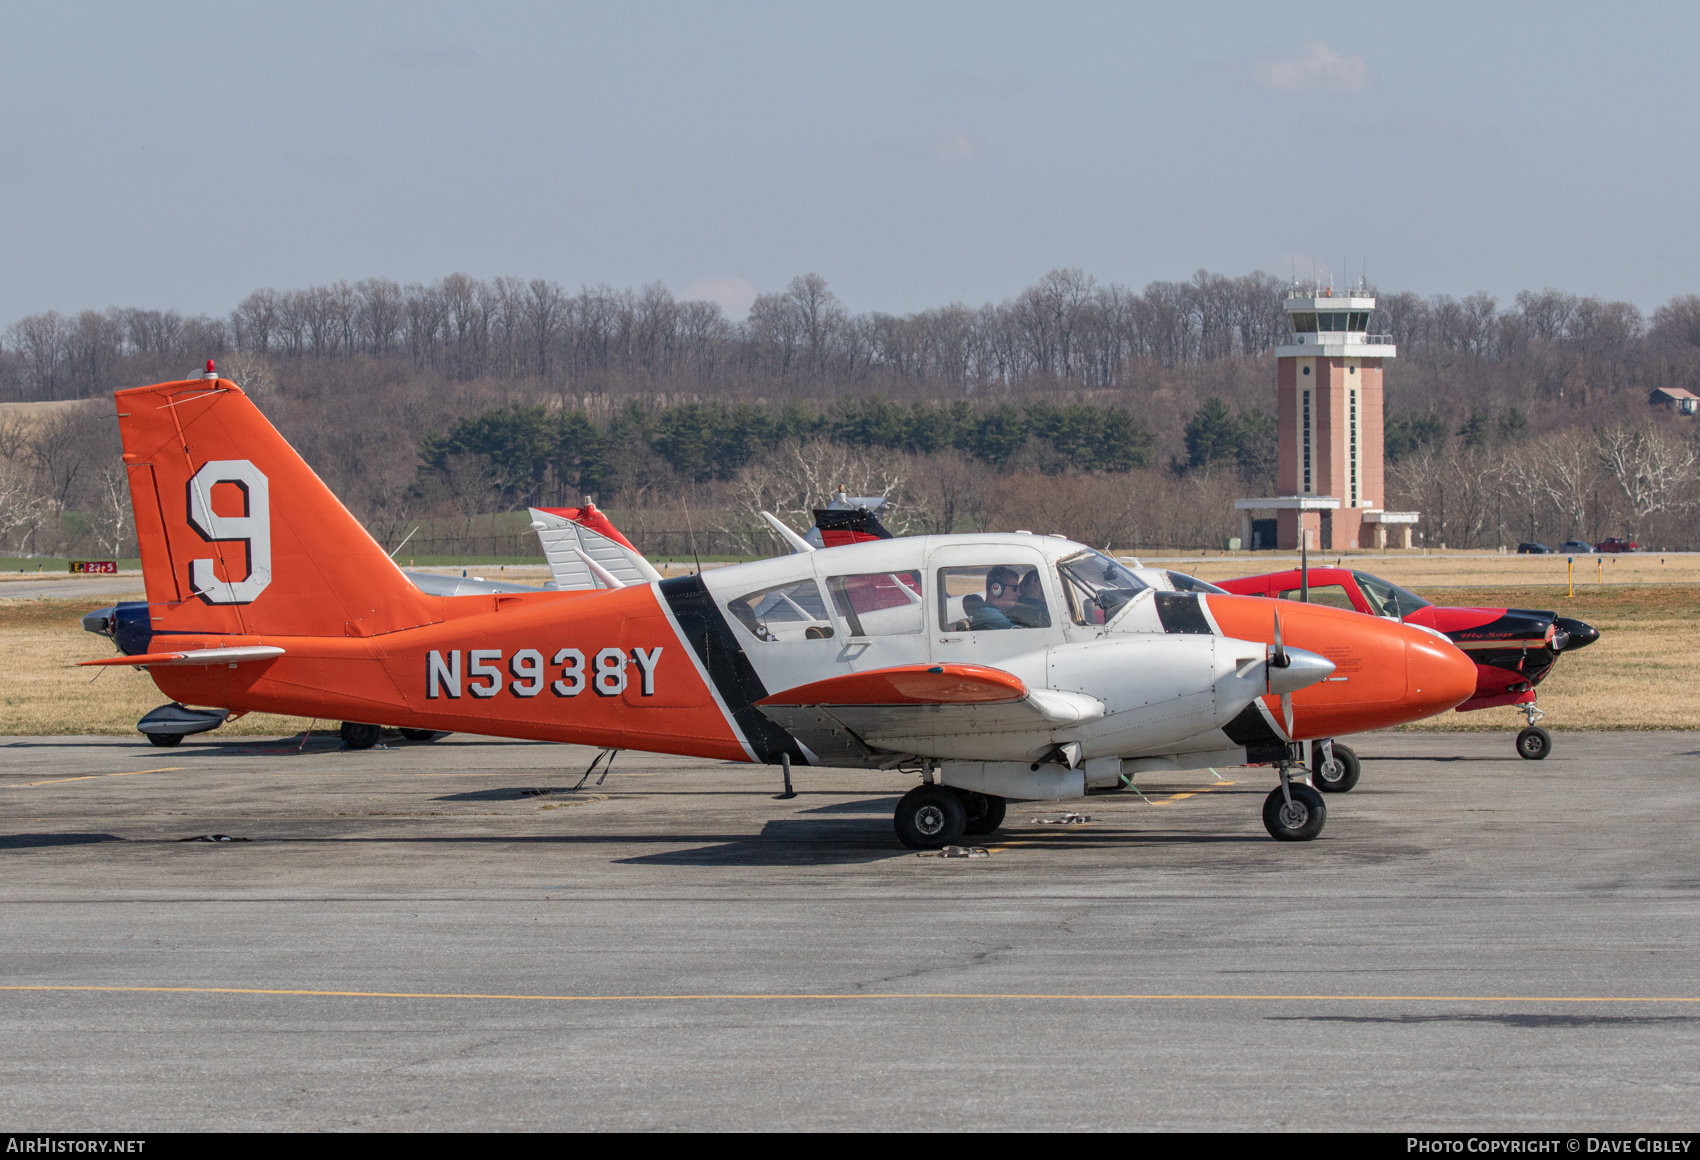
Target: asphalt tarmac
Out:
[404,938]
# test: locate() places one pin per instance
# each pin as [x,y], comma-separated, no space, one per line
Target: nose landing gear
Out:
[1334,768]
[1533,742]
[1293,811]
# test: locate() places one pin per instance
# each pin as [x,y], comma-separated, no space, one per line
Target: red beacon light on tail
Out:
[212,371]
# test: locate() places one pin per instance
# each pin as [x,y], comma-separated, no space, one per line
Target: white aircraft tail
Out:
[585,551]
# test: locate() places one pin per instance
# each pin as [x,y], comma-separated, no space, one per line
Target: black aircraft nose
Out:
[1577,635]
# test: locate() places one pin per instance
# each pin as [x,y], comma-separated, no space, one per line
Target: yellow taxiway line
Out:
[92,776]
[733,997]
[1193,793]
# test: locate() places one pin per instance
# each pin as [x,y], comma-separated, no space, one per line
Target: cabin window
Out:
[878,603]
[1333,595]
[991,597]
[785,612]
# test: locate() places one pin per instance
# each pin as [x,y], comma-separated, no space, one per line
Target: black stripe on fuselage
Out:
[723,657]
[1179,612]
[1251,728]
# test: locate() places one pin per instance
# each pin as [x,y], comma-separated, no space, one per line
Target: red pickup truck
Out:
[1617,544]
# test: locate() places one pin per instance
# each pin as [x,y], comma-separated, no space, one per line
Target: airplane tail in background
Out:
[585,550]
[238,534]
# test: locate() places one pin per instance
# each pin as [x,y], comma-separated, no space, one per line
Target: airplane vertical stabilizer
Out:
[239,535]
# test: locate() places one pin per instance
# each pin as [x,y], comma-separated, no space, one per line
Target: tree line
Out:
[1067,330]
[533,456]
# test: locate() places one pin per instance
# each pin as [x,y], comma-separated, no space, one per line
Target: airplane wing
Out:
[888,709]
[194,656]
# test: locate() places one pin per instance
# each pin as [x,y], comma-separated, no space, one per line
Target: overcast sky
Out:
[181,155]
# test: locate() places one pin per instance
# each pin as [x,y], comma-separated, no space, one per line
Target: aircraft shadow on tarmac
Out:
[37,841]
[846,841]
[1437,760]
[1504,1020]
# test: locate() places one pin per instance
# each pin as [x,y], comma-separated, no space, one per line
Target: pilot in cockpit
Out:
[1014,599]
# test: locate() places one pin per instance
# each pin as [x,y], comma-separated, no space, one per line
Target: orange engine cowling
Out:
[1385,673]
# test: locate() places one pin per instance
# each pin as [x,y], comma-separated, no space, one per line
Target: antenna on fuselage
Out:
[692,532]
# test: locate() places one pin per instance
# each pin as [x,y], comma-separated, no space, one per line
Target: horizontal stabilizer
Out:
[195,656]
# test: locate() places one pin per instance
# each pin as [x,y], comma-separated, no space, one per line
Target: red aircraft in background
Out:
[1514,648]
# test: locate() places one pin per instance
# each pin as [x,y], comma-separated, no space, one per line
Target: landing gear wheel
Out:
[1534,743]
[419,734]
[1339,775]
[164,740]
[358,736]
[930,817]
[1299,822]
[984,811]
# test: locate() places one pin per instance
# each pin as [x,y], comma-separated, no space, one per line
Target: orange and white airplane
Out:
[995,667]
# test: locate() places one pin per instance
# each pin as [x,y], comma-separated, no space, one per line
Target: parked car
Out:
[1533,550]
[1575,548]
[1617,544]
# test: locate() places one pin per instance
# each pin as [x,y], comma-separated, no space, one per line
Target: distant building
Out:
[1329,415]
[1674,399]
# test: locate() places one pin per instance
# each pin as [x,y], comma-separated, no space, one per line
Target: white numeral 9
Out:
[253,528]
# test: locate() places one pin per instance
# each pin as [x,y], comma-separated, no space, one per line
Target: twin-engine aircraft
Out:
[994,667]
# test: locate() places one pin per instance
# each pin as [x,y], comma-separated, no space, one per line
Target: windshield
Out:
[1185,583]
[1388,599]
[1097,586]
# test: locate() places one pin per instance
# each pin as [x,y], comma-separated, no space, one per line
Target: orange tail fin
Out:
[239,535]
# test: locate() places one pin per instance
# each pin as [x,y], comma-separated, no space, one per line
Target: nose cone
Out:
[1302,670]
[1439,675]
[1575,634]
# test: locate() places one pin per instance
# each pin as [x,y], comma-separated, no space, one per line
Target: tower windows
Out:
[1352,430]
[1306,432]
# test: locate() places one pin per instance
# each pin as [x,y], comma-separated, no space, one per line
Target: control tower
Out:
[1329,415]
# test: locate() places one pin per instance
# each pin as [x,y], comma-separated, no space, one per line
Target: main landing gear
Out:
[356,735]
[931,817]
[1533,743]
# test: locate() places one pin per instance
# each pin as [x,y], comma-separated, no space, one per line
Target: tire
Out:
[164,740]
[1308,816]
[984,811]
[930,817]
[1534,743]
[1342,776]
[419,734]
[358,736]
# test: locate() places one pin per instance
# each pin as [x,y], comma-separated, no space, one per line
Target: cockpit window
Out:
[1388,599]
[791,611]
[1097,586]
[1185,583]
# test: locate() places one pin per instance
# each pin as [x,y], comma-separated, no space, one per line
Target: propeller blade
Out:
[1287,713]
[1279,659]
